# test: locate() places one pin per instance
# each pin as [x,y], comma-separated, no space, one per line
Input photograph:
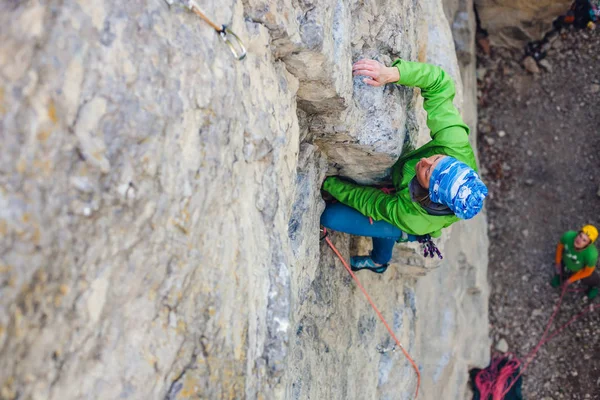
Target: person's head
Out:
[587,235]
[452,183]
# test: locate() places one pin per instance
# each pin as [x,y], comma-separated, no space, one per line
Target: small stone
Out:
[490,140]
[536,313]
[501,134]
[530,65]
[557,44]
[525,232]
[594,88]
[529,182]
[481,72]
[484,126]
[127,191]
[598,192]
[546,65]
[574,373]
[529,153]
[82,184]
[502,346]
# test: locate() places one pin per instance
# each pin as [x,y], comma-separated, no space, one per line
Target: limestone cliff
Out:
[159,203]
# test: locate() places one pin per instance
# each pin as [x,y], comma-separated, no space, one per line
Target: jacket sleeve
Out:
[374,203]
[437,89]
[581,274]
[559,252]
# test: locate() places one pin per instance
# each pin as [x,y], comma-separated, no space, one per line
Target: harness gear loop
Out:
[236,46]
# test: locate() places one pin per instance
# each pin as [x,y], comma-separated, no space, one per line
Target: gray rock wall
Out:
[160,204]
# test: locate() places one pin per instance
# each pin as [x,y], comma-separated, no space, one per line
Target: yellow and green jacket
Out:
[580,263]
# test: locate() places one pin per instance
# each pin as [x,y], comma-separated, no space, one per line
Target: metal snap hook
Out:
[236,46]
[238,50]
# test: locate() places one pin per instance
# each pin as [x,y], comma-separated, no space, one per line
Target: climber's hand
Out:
[558,268]
[376,73]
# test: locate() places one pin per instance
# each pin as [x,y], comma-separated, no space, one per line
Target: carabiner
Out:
[239,51]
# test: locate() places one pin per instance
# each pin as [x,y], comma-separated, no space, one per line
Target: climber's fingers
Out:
[372,82]
[364,72]
[362,65]
[367,64]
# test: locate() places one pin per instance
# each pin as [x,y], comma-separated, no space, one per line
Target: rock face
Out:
[160,203]
[513,23]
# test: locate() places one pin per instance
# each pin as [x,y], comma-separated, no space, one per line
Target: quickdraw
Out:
[236,46]
[429,248]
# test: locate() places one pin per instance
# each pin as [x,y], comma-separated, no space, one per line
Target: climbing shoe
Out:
[365,262]
[592,293]
[555,281]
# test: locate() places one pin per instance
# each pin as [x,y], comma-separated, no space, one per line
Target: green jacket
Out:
[449,136]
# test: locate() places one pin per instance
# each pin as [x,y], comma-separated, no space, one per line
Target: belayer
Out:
[576,258]
[435,185]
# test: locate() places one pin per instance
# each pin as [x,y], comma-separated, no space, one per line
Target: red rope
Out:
[408,357]
[491,381]
[531,355]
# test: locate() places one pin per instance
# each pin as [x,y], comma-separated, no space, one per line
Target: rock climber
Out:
[435,185]
[576,257]
[581,14]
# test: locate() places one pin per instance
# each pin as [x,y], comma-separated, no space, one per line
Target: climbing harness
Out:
[496,382]
[429,248]
[236,46]
[360,286]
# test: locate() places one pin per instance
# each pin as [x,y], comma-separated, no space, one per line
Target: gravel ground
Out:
[539,147]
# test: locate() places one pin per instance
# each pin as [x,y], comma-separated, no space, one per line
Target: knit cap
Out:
[458,186]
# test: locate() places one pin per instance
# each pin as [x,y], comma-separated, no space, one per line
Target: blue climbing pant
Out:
[342,218]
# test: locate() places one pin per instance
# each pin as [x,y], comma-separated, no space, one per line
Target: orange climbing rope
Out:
[408,357]
[194,7]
